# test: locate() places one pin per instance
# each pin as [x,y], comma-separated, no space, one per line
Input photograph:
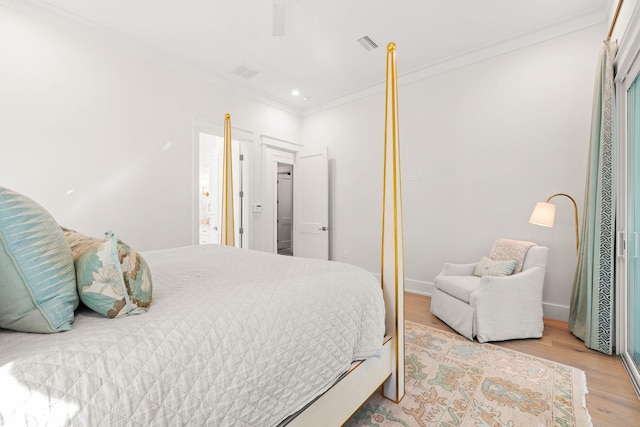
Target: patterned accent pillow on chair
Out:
[37,278]
[113,279]
[507,249]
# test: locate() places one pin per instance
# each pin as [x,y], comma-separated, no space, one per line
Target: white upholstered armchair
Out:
[479,300]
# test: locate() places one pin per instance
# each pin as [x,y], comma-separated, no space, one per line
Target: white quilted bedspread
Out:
[233,337]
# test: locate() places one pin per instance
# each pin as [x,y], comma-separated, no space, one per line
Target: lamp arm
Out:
[575,211]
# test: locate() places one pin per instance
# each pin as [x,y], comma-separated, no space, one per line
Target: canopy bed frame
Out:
[364,379]
[222,344]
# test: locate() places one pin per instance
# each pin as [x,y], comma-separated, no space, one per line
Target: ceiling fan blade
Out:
[279,18]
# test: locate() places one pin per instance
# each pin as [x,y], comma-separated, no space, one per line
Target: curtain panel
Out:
[592,314]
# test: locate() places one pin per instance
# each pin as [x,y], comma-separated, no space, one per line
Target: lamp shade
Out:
[544,214]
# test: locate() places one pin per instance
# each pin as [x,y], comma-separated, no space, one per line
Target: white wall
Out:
[77,113]
[489,141]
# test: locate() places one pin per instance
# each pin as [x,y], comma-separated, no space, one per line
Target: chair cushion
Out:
[506,249]
[458,286]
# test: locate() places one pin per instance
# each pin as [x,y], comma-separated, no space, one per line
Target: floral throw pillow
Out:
[112,278]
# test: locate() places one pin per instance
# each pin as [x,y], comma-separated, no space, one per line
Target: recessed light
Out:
[295,92]
[306,98]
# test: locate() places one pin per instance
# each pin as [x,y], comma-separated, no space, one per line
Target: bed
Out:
[233,337]
[230,337]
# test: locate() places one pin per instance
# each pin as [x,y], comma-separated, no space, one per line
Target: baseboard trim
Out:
[555,311]
[418,287]
[415,286]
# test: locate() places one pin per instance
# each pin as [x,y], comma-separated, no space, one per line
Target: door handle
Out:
[322,228]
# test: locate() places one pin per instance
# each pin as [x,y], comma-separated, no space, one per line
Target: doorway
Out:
[628,213]
[310,228]
[631,352]
[211,154]
[284,201]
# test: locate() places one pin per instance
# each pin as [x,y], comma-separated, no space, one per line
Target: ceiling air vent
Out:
[367,43]
[245,72]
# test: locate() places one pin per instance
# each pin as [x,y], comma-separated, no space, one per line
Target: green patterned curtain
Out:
[591,315]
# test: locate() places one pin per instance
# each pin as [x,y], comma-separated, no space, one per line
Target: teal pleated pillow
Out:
[490,267]
[112,278]
[37,280]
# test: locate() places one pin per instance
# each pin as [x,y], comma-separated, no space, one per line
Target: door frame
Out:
[284,176]
[203,124]
[274,151]
[627,64]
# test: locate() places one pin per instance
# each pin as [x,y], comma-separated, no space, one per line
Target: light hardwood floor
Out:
[611,401]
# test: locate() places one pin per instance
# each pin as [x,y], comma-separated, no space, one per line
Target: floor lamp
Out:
[544,213]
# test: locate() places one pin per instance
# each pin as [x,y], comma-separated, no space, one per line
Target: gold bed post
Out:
[227,235]
[392,265]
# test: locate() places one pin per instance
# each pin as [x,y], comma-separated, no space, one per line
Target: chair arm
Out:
[527,285]
[509,307]
[450,269]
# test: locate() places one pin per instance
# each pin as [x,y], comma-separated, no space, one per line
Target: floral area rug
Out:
[451,381]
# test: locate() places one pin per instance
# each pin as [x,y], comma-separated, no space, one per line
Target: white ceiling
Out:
[319,54]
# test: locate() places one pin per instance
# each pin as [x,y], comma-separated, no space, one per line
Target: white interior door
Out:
[311,211]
